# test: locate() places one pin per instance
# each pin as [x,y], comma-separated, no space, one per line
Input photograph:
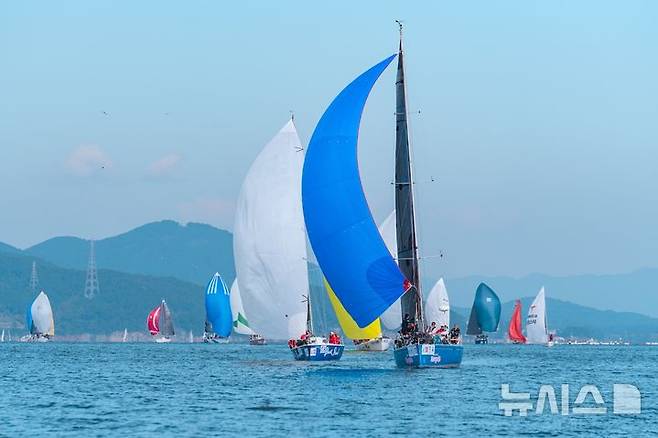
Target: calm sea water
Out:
[240,390]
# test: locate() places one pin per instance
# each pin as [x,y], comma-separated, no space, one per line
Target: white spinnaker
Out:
[42,315]
[437,307]
[536,332]
[269,239]
[237,309]
[392,317]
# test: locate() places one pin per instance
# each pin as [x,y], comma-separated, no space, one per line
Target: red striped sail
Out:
[515,332]
[153,320]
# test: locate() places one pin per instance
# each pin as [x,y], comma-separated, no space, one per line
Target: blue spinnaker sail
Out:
[218,306]
[485,314]
[342,232]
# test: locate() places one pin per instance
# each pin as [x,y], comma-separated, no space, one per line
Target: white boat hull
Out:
[163,340]
[378,344]
[33,338]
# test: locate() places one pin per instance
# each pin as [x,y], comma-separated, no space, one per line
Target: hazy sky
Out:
[538,123]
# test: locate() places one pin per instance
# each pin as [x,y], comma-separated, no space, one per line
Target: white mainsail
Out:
[269,239]
[240,321]
[2,337]
[125,335]
[392,317]
[437,307]
[42,316]
[536,332]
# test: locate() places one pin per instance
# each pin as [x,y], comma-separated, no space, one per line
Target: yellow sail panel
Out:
[351,330]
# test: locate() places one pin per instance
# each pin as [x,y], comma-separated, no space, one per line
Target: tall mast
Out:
[309,313]
[405,216]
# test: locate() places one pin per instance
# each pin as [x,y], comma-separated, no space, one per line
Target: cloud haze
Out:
[87,160]
[164,167]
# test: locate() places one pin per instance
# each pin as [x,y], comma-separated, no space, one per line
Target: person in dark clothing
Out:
[454,335]
[406,321]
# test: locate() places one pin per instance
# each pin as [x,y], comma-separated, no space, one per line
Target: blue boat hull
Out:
[318,352]
[429,356]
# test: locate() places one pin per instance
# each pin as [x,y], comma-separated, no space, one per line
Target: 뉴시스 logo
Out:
[626,400]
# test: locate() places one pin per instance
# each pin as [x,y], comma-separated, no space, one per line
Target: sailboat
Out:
[160,323]
[315,348]
[515,331]
[219,319]
[536,328]
[437,310]
[347,245]
[485,314]
[191,337]
[39,320]
[2,336]
[125,335]
[240,321]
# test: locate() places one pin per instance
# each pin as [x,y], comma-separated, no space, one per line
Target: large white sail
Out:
[42,316]
[437,307]
[269,239]
[536,332]
[392,317]
[240,321]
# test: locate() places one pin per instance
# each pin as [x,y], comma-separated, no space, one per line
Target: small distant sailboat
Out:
[191,337]
[240,322]
[39,320]
[160,323]
[219,319]
[315,348]
[485,314]
[125,335]
[2,337]
[536,328]
[515,331]
[437,310]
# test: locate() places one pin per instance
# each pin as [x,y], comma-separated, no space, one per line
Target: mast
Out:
[309,315]
[405,216]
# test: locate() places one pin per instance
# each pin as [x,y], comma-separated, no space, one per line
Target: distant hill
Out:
[573,320]
[191,252]
[8,249]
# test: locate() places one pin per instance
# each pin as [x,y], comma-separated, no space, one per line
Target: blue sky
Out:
[537,122]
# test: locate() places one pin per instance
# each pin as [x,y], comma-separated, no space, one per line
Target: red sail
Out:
[153,321]
[514,331]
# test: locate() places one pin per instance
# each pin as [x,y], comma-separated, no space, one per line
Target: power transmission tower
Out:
[91,284]
[34,279]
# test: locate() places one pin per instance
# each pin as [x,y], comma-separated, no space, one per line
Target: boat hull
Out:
[163,340]
[318,352]
[378,344]
[429,356]
[34,338]
[215,340]
[259,341]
